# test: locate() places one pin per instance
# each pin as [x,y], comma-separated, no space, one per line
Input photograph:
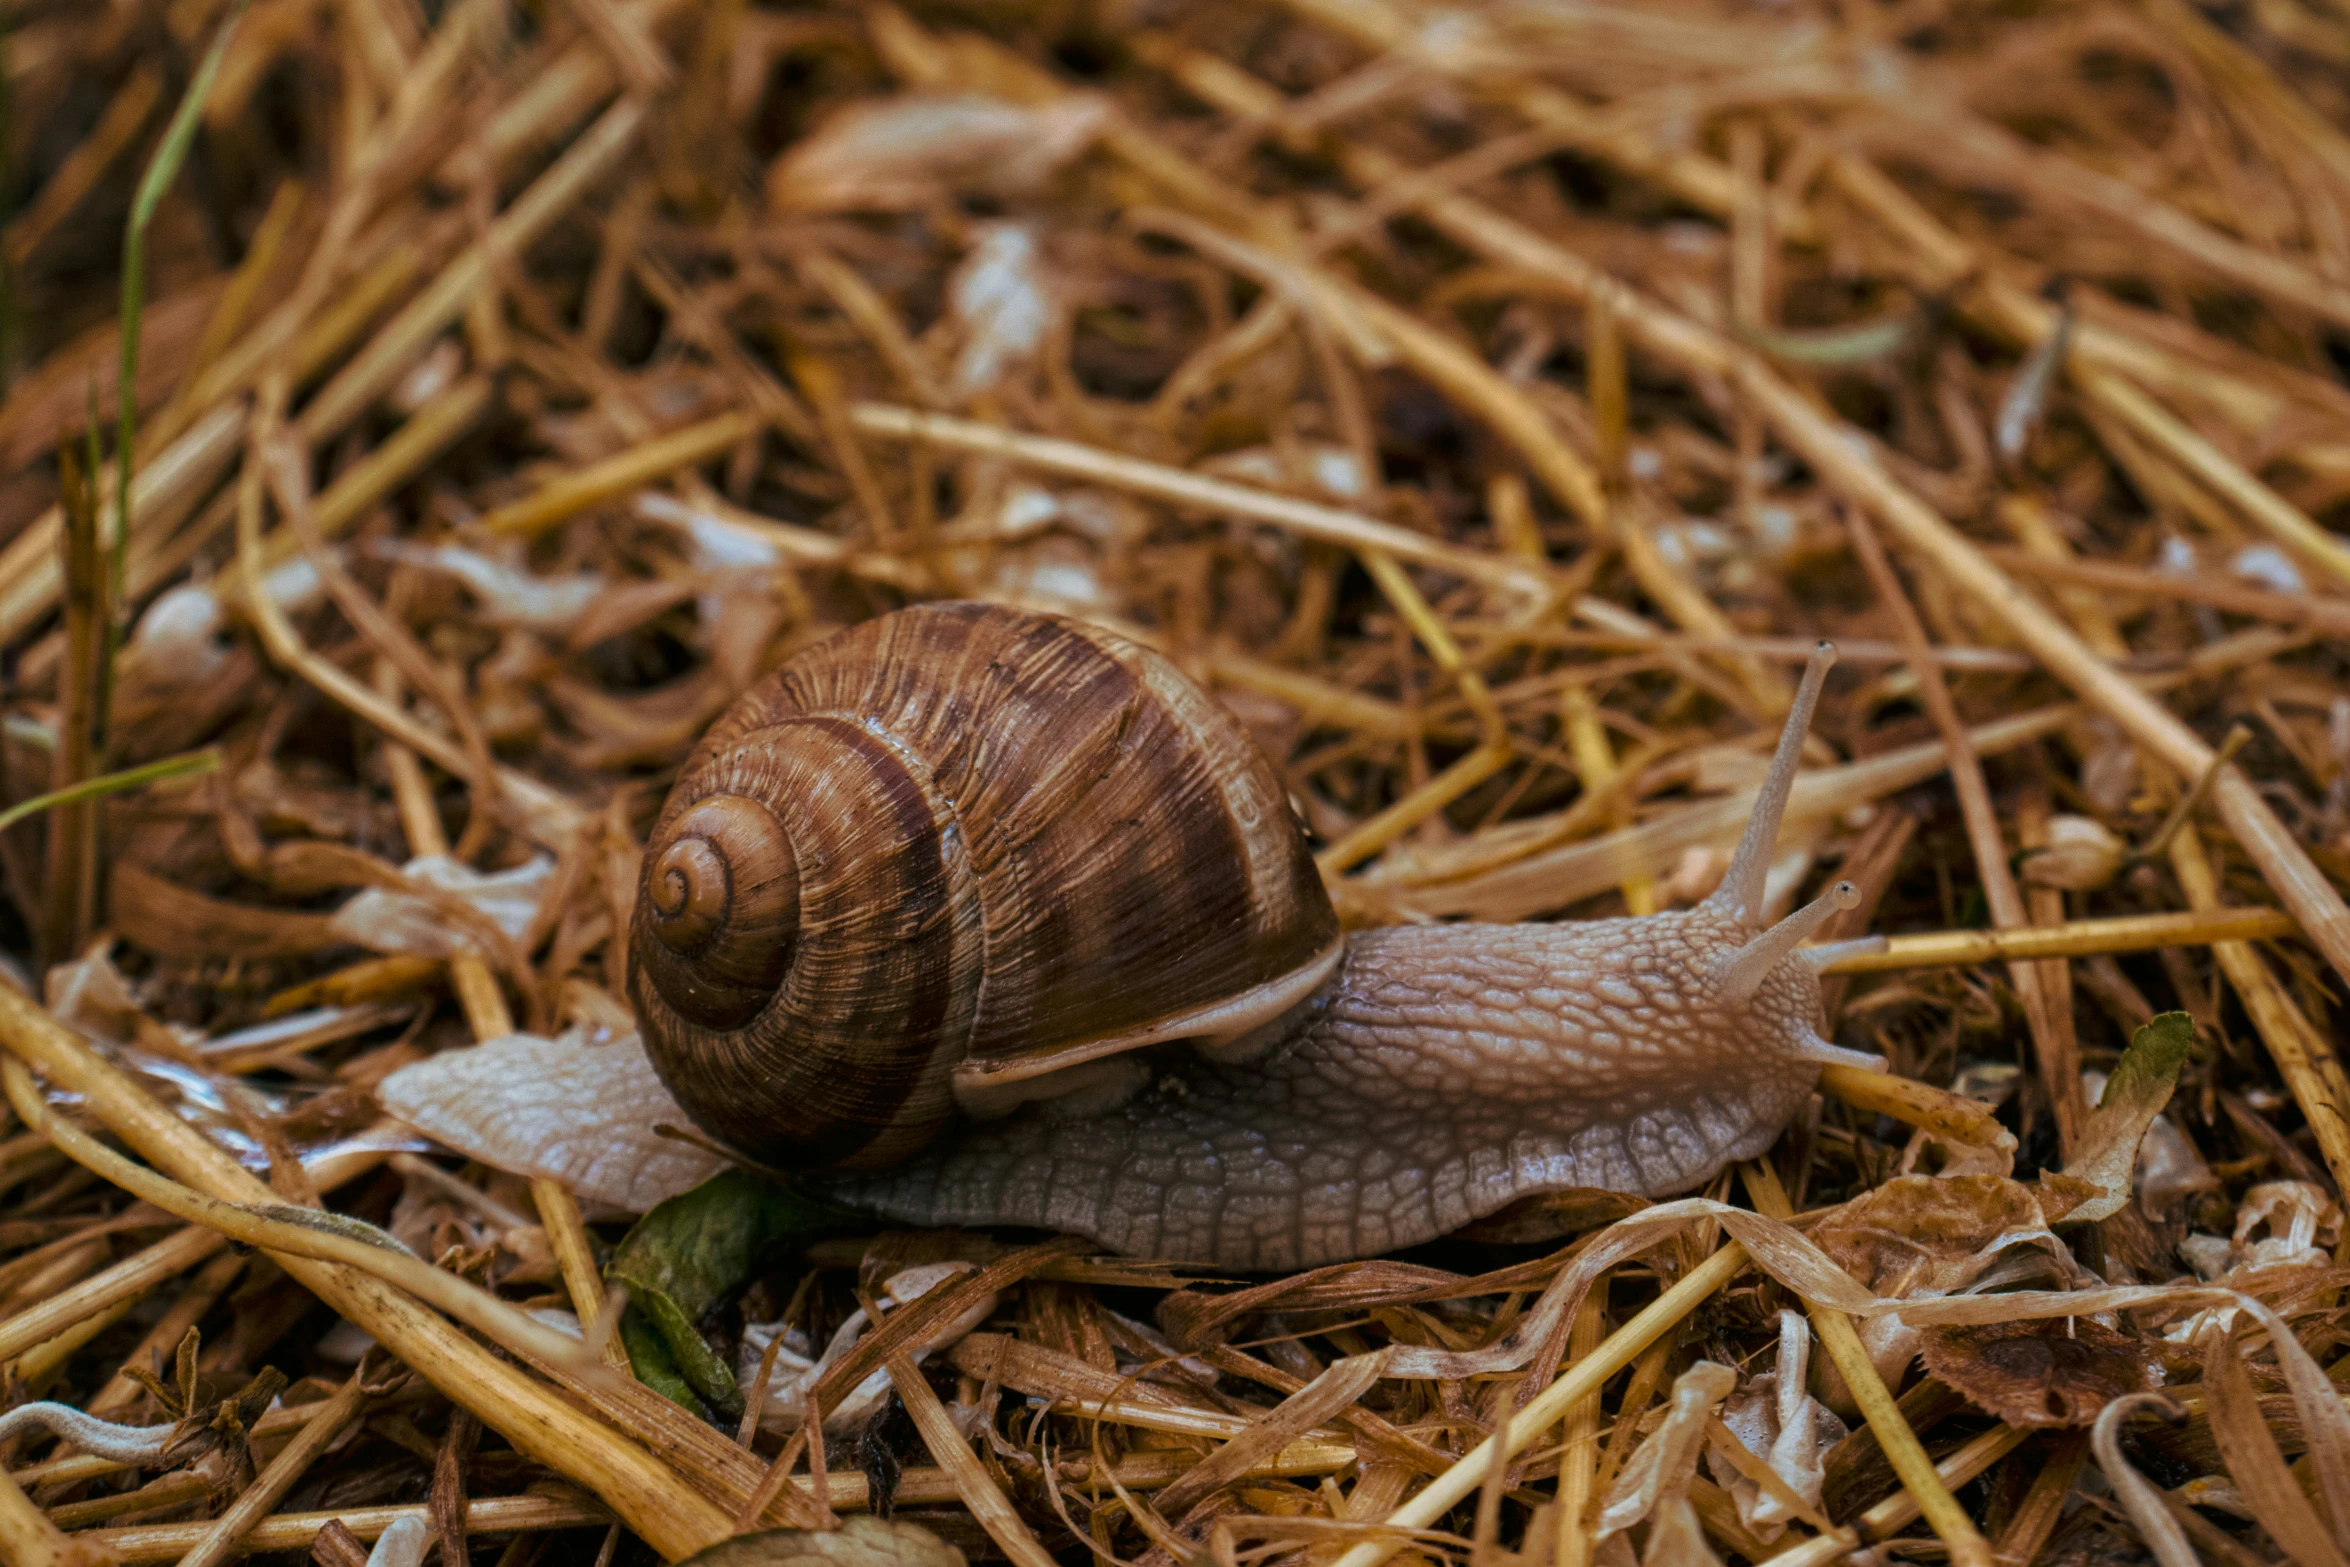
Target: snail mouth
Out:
[721,900]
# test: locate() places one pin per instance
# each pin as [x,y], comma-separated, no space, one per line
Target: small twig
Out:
[2238,737]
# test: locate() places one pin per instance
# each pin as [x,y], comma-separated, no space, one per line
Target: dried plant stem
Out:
[2155,847]
[2105,366]
[294,1531]
[2043,988]
[545,811]
[1855,471]
[1951,1116]
[201,1294]
[236,303]
[1383,827]
[1579,1443]
[979,1491]
[486,1013]
[1581,1380]
[1176,486]
[1895,1439]
[36,1365]
[2042,1508]
[2078,939]
[259,1226]
[1898,1511]
[84,687]
[31,574]
[2311,1068]
[363,486]
[621,474]
[127,1280]
[392,349]
[270,1486]
[29,1539]
[671,1516]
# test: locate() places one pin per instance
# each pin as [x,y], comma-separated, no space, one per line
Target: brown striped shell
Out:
[951,849]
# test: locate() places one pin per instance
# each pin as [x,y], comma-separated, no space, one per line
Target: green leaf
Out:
[2135,1094]
[858,1542]
[648,1357]
[694,1250]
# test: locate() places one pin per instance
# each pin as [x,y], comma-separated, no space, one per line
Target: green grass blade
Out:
[187,765]
[162,168]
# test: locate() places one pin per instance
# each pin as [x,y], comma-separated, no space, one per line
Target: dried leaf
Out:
[2141,1085]
[174,921]
[1000,299]
[2302,1224]
[1655,1481]
[1780,1423]
[2134,1491]
[911,150]
[858,1542]
[2082,854]
[385,919]
[2044,1373]
[2250,1452]
[795,1374]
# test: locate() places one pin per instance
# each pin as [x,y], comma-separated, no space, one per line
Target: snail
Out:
[981,917]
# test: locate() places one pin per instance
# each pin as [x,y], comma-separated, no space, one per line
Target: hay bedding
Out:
[1491,405]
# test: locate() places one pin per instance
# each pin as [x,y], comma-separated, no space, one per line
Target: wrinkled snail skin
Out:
[1445,1072]
[962,857]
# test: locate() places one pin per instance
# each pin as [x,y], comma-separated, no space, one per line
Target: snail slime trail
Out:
[982,917]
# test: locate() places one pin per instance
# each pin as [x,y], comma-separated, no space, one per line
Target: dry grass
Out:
[1492,405]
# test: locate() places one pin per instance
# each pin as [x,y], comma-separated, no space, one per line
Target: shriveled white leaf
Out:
[2208,1255]
[1775,1418]
[1330,469]
[503,593]
[178,640]
[90,996]
[2109,765]
[401,1544]
[2269,567]
[917,148]
[714,543]
[2082,854]
[385,919]
[1658,1473]
[2287,1222]
[582,1114]
[999,296]
[787,1387]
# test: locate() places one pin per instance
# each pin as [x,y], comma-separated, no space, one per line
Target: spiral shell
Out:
[954,845]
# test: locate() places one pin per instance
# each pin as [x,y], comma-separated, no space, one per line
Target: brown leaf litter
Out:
[1491,405]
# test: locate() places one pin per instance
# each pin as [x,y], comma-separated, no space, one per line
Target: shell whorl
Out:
[722,889]
[957,841]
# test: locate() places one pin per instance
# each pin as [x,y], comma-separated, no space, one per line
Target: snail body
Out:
[1087,859]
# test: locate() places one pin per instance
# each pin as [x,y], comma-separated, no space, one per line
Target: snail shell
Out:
[945,854]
